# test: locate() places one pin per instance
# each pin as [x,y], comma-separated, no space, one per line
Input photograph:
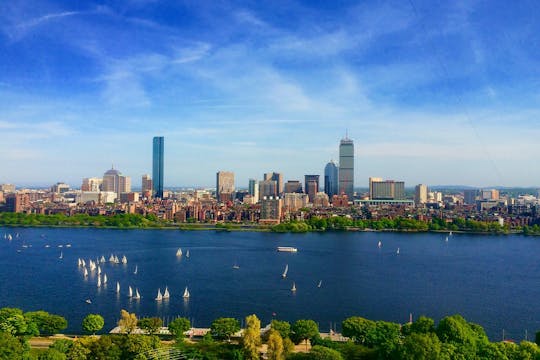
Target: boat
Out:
[135,271]
[124,259]
[9,237]
[379,244]
[61,255]
[85,272]
[104,279]
[284,275]
[397,251]
[320,283]
[137,295]
[68,245]
[116,261]
[130,291]
[186,293]
[79,262]
[293,289]
[450,233]
[99,270]
[287,249]
[187,253]
[159,297]
[60,245]
[111,258]
[102,259]
[47,246]
[235,266]
[117,287]
[99,281]
[179,252]
[88,301]
[446,239]
[166,294]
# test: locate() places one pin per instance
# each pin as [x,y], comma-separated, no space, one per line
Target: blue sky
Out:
[431,92]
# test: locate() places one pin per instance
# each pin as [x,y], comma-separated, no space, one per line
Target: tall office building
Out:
[388,190]
[346,167]
[157,165]
[311,186]
[420,194]
[114,181]
[267,188]
[293,186]
[253,189]
[224,186]
[331,179]
[470,196]
[278,178]
[146,184]
[371,181]
[91,184]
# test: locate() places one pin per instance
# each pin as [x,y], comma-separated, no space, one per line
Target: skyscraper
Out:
[254,189]
[146,184]
[346,167]
[114,181]
[420,194]
[331,179]
[278,178]
[157,166]
[311,185]
[224,186]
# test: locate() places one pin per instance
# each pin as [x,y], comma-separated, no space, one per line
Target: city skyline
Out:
[436,94]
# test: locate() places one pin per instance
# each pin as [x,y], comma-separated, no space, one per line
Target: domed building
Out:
[114,181]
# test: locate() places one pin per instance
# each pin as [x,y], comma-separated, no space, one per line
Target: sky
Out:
[433,92]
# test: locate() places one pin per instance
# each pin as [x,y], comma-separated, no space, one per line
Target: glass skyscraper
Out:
[157,166]
[331,179]
[346,167]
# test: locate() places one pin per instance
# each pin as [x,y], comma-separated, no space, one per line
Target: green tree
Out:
[10,347]
[323,353]
[421,346]
[150,324]
[78,351]
[47,323]
[52,354]
[127,322]
[423,325]
[276,350]
[93,323]
[224,328]
[251,339]
[357,328]
[178,327]
[135,344]
[283,327]
[304,330]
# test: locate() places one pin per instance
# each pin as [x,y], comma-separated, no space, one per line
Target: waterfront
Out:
[490,280]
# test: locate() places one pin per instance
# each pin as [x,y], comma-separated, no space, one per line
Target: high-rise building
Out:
[270,210]
[146,184]
[91,184]
[157,165]
[253,189]
[267,188]
[294,201]
[470,196]
[420,194]
[311,186]
[491,194]
[331,179]
[388,190]
[224,186]
[371,181]
[60,188]
[293,186]
[346,167]
[114,181]
[278,178]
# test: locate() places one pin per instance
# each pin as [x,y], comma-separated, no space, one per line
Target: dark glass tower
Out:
[157,166]
[331,179]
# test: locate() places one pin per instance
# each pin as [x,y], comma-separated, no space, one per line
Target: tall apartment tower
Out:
[157,166]
[278,178]
[311,186]
[253,189]
[224,186]
[346,167]
[420,194]
[146,184]
[114,181]
[331,179]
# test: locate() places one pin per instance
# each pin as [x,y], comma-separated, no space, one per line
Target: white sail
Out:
[99,281]
[187,253]
[186,293]
[320,283]
[159,297]
[85,272]
[130,292]
[379,244]
[124,259]
[9,237]
[166,294]
[99,270]
[79,262]
[83,262]
[117,287]
[111,258]
[116,261]
[179,252]
[284,275]
[102,259]
[397,251]
[137,295]
[293,286]
[61,255]
[104,279]
[135,271]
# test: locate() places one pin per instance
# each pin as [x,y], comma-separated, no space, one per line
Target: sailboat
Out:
[116,261]
[284,275]
[124,259]
[79,262]
[446,240]
[135,271]
[293,289]
[159,297]
[137,295]
[104,279]
[235,266]
[85,272]
[397,251]
[187,253]
[379,244]
[186,293]
[61,255]
[320,283]
[99,281]
[111,258]
[83,263]
[450,233]
[88,301]
[98,270]
[179,252]
[117,287]
[130,291]
[102,260]
[166,294]
[9,237]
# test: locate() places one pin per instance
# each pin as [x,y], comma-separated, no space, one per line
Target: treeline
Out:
[117,220]
[339,223]
[452,338]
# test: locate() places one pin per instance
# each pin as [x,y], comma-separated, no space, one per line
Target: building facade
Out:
[388,190]
[420,194]
[346,167]
[224,186]
[146,185]
[157,165]
[253,189]
[278,178]
[91,184]
[293,186]
[311,186]
[268,188]
[331,185]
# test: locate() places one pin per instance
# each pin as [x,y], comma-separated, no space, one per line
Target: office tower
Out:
[124,184]
[146,184]
[17,202]
[371,181]
[420,194]
[388,190]
[253,189]
[224,186]
[60,188]
[267,188]
[278,178]
[293,186]
[492,194]
[157,165]
[331,179]
[294,201]
[270,210]
[311,185]
[114,181]
[470,196]
[346,167]
[91,184]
